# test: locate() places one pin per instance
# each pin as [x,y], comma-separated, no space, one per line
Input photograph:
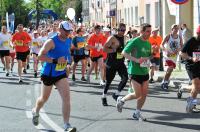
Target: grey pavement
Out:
[164,112]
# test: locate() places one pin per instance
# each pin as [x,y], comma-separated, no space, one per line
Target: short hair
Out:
[134,31]
[20,25]
[121,25]
[78,30]
[97,27]
[144,26]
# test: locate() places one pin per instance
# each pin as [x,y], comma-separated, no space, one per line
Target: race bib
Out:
[19,43]
[145,64]
[196,55]
[81,44]
[60,67]
[119,55]
[86,52]
[5,44]
[35,44]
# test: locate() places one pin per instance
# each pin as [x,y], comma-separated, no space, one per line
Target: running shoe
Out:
[164,86]
[24,71]
[7,74]
[151,80]
[115,96]
[83,79]
[104,101]
[35,118]
[35,74]
[190,106]
[119,104]
[69,128]
[138,116]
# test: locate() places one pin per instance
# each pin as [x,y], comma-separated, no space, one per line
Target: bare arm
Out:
[42,56]
[111,45]
[164,41]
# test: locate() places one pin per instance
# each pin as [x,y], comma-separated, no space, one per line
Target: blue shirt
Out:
[61,49]
[79,42]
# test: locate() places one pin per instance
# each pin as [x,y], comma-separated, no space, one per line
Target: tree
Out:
[78,9]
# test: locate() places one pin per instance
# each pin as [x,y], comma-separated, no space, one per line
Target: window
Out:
[131,17]
[157,14]
[148,6]
[136,15]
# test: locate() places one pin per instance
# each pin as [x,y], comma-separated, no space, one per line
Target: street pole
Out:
[38,14]
[1,12]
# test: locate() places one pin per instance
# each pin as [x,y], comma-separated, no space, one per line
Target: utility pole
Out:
[38,14]
[1,13]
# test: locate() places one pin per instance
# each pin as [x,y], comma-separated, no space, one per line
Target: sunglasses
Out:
[122,30]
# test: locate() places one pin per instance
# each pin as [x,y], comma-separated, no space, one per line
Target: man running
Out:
[191,53]
[171,46]
[155,41]
[21,42]
[55,53]
[5,39]
[138,51]
[115,63]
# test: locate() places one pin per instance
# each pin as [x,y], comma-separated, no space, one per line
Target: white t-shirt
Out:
[5,40]
[35,45]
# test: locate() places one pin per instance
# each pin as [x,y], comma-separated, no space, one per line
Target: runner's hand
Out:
[194,59]
[62,60]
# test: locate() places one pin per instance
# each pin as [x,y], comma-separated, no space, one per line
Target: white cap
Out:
[105,29]
[65,25]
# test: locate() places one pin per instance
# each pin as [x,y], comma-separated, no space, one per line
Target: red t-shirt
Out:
[97,41]
[21,41]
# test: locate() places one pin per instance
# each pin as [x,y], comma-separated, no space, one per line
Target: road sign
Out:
[179,1]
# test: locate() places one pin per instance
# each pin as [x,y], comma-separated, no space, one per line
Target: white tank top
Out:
[173,44]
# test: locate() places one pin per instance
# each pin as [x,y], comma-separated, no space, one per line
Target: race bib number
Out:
[145,64]
[196,55]
[81,44]
[35,44]
[19,43]
[60,67]
[5,44]
[119,56]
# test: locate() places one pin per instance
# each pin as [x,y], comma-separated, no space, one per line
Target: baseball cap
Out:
[65,25]
[198,29]
[155,29]
[105,29]
[173,26]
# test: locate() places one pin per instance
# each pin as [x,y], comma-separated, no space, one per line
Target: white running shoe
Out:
[102,83]
[138,116]
[69,128]
[35,118]
[190,106]
[119,104]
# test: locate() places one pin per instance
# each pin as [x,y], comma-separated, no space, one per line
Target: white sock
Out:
[104,95]
[137,111]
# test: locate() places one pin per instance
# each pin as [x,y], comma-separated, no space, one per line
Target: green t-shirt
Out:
[138,48]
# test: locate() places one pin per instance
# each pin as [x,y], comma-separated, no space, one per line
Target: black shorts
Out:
[155,62]
[139,78]
[48,81]
[77,58]
[22,55]
[4,53]
[194,71]
[34,54]
[95,59]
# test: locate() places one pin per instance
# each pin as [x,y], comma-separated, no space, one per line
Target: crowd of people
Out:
[61,46]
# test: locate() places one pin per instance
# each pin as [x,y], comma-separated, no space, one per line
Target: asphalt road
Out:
[164,112]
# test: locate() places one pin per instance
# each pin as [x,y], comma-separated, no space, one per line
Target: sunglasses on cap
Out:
[68,31]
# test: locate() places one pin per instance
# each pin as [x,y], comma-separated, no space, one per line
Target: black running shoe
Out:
[27,67]
[104,101]
[73,77]
[115,96]
[24,71]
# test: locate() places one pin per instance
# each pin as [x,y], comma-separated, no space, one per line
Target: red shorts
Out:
[12,55]
[170,63]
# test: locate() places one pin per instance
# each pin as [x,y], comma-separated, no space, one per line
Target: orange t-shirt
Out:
[21,41]
[155,44]
[97,41]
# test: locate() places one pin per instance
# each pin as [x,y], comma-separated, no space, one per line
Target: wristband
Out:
[55,61]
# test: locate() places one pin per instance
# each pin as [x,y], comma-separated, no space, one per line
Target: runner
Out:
[35,48]
[79,55]
[21,42]
[55,53]
[138,51]
[191,53]
[155,41]
[95,44]
[171,46]
[5,39]
[115,63]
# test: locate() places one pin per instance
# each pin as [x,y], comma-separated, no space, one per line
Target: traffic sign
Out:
[179,1]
